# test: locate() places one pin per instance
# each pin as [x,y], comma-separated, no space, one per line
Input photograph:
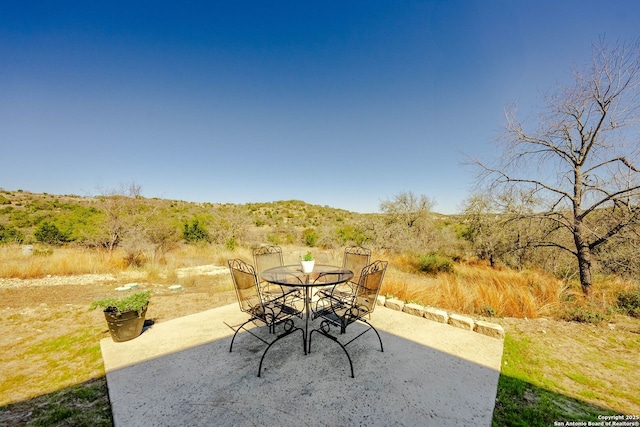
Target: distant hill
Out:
[25,211]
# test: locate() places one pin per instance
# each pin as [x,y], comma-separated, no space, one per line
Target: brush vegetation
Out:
[558,374]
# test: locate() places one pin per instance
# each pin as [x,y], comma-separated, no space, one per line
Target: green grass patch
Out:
[78,342]
[529,397]
[519,361]
[582,379]
[85,404]
[590,394]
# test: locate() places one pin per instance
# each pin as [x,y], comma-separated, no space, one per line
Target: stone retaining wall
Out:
[459,321]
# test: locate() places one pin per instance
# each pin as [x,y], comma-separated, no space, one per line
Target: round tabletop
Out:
[292,275]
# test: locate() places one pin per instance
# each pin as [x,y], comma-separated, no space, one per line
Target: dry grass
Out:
[473,288]
[478,289]
[54,262]
[75,261]
[59,345]
[52,341]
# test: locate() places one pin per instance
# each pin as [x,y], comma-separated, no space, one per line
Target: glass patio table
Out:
[292,276]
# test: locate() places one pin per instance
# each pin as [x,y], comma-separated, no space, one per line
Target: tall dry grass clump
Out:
[480,290]
[505,293]
[187,255]
[44,261]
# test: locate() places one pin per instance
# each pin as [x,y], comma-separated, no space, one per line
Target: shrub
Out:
[195,232]
[488,311]
[577,308]
[629,303]
[310,237]
[274,239]
[134,257]
[10,235]
[231,243]
[434,263]
[584,315]
[50,234]
[350,234]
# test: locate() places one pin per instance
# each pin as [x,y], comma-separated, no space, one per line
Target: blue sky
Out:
[335,103]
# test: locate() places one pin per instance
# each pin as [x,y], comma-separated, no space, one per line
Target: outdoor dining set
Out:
[285,299]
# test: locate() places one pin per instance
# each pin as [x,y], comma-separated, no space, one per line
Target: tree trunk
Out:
[583,253]
[584,265]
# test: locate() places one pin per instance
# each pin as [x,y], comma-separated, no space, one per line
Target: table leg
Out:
[307,309]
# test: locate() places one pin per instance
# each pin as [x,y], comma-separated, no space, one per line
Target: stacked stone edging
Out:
[438,315]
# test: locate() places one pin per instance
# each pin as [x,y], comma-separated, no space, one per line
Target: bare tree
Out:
[504,228]
[487,228]
[124,219]
[580,159]
[408,222]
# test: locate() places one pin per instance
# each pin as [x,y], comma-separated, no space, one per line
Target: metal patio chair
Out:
[264,258]
[270,313]
[355,259]
[341,312]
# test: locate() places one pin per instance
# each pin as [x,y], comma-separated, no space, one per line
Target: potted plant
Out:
[125,316]
[307,263]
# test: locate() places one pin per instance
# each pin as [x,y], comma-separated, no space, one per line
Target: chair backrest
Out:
[246,285]
[266,257]
[355,259]
[369,285]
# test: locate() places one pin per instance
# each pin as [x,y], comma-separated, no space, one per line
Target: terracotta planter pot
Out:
[125,327]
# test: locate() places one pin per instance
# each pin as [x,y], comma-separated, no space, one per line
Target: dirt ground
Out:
[51,339]
[28,297]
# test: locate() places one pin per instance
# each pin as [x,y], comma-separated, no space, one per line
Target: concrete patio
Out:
[181,373]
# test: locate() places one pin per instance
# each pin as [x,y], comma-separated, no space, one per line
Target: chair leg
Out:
[379,339]
[236,333]
[374,330]
[334,339]
[276,340]
[370,326]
